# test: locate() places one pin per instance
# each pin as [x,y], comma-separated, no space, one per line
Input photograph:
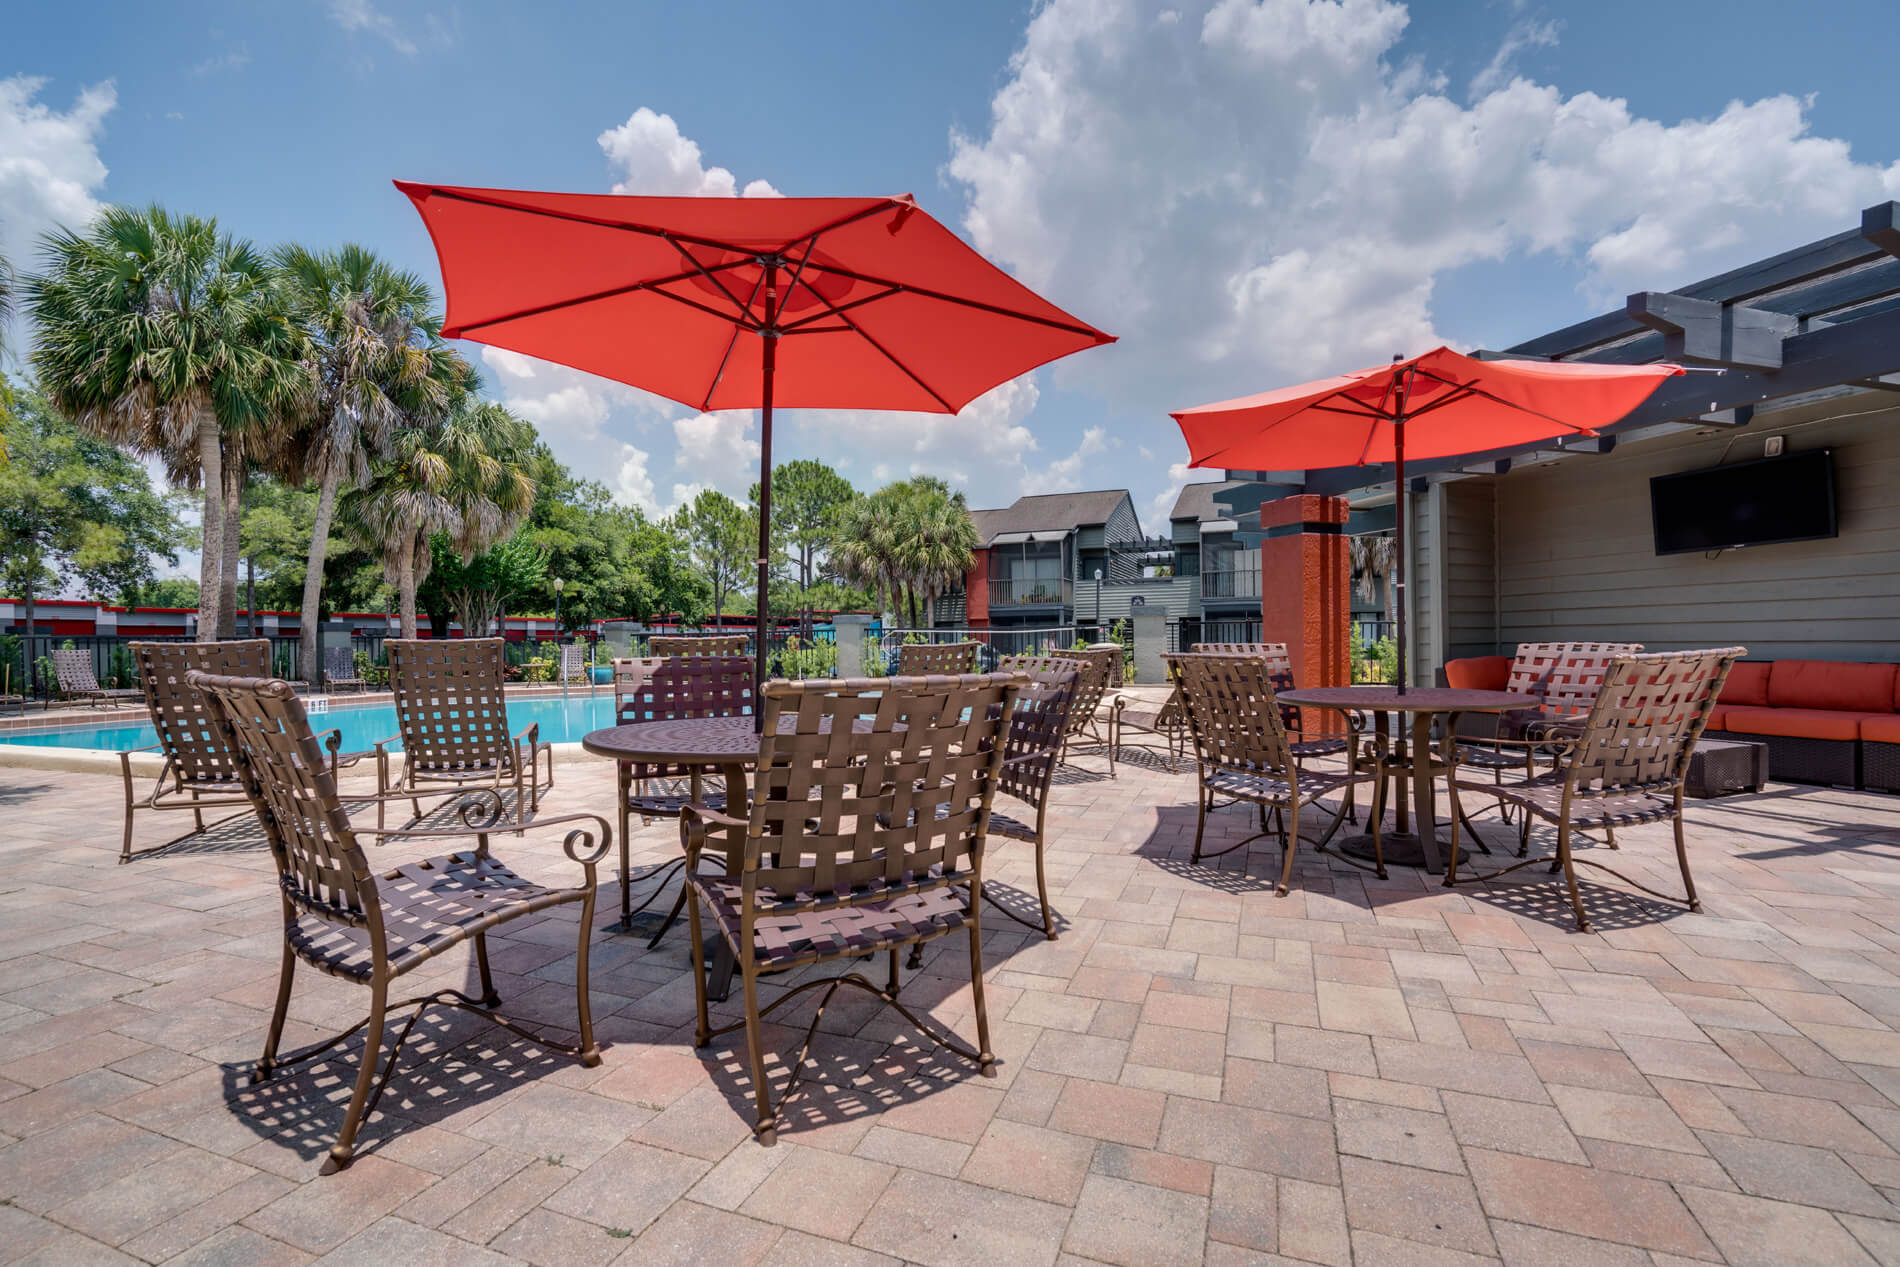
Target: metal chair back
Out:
[72,668]
[1233,713]
[1645,720]
[1095,669]
[1563,677]
[449,703]
[188,733]
[708,644]
[921,659]
[1033,745]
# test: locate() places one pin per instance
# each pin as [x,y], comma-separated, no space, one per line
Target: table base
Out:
[1401,849]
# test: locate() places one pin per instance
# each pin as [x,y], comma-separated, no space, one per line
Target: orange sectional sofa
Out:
[1824,721]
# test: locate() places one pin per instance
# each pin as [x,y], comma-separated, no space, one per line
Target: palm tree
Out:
[6,319]
[1372,557]
[157,332]
[907,542]
[371,338]
[466,474]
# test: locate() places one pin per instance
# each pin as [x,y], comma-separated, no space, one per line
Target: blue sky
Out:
[1250,192]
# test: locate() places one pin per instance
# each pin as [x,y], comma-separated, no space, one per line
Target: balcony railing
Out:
[1044,591]
[1230,582]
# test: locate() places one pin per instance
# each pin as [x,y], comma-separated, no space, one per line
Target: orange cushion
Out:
[1796,723]
[1478,673]
[1832,684]
[1748,683]
[1880,729]
[1717,717]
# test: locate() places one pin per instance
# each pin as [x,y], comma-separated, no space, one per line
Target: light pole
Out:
[559,585]
[1098,602]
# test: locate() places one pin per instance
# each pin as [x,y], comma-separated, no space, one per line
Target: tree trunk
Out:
[26,649]
[307,644]
[250,596]
[233,480]
[211,553]
[406,589]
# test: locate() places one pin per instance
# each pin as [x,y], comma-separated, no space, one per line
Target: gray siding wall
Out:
[1470,575]
[1576,556]
[1425,621]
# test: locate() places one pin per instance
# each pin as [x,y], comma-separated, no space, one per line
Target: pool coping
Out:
[148,764]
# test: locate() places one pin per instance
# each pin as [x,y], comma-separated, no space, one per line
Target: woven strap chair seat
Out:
[1544,795]
[673,804]
[1329,747]
[1490,758]
[788,937]
[1253,786]
[1013,828]
[428,906]
[475,764]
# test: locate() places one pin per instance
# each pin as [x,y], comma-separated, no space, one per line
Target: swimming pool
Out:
[564,719]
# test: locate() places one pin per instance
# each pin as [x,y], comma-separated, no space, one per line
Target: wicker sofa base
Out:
[1880,766]
[1829,761]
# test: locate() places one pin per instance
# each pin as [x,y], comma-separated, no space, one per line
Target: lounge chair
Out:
[339,670]
[72,668]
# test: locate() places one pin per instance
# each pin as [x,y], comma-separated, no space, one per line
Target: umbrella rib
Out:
[745,309]
[944,297]
[1475,390]
[802,322]
[652,284]
[598,222]
[731,343]
[811,238]
[884,352]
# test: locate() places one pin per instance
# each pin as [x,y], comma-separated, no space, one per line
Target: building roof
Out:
[1049,512]
[1196,501]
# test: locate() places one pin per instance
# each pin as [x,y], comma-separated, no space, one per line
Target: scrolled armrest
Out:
[695,823]
[532,733]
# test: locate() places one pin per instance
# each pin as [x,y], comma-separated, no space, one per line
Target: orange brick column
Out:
[1304,599]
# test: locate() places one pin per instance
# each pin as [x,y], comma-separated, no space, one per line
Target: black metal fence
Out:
[26,660]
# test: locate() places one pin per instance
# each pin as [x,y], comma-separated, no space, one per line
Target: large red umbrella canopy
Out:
[1452,405]
[876,304]
[742,303]
[1439,405]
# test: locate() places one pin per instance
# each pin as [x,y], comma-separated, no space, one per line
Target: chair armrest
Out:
[697,823]
[577,840]
[532,733]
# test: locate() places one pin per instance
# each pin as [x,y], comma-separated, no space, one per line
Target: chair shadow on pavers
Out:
[22,793]
[1546,903]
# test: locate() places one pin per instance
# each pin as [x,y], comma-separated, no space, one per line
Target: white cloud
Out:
[651,157]
[50,170]
[1180,475]
[1064,475]
[1268,190]
[361,15]
[719,451]
[1503,64]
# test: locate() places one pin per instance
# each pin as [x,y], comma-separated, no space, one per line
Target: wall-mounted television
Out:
[1787,498]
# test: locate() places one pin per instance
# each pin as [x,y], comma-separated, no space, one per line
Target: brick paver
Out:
[1364,1072]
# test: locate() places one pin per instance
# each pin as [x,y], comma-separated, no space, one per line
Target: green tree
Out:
[612,559]
[806,498]
[478,587]
[166,591]
[723,540]
[467,475]
[160,333]
[375,355]
[74,511]
[906,543]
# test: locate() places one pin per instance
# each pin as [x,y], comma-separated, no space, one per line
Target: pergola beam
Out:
[1702,332]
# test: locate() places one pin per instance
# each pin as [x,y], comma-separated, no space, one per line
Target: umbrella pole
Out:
[1398,524]
[769,364]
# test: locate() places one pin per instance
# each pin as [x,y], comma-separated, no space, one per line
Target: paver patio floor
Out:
[1370,1072]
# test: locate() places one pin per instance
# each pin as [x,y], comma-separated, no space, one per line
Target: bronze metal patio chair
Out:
[670,688]
[339,670]
[72,670]
[865,833]
[200,772]
[920,659]
[1241,746]
[707,644]
[1623,764]
[1559,682]
[453,723]
[1092,717]
[375,926]
[571,665]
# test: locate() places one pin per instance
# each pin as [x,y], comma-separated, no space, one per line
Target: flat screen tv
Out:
[1787,498]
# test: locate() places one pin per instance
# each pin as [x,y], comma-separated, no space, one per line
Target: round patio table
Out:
[1405,847]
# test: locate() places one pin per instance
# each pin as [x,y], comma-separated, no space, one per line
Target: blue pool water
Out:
[562,719]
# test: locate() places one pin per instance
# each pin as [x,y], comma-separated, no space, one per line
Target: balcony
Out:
[1230,582]
[1030,592]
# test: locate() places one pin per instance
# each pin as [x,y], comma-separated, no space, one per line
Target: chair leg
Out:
[345,1148]
[891,988]
[1682,858]
[1200,823]
[1609,837]
[583,1001]
[125,768]
[1289,840]
[766,1129]
[268,1061]
[1376,815]
[703,1034]
[626,855]
[985,1058]
[1457,816]
[1042,895]
[653,942]
[1570,876]
[489,997]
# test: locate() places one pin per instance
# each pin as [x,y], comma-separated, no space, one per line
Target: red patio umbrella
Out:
[878,305]
[1438,405]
